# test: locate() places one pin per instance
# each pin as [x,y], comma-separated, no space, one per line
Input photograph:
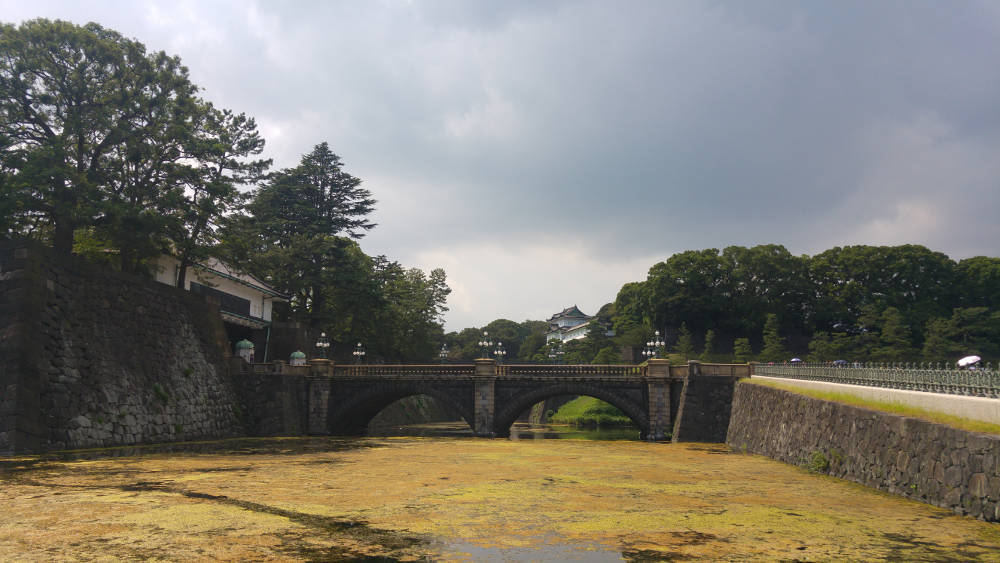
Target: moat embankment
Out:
[408,498]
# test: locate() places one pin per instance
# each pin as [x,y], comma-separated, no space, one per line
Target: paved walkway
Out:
[975,408]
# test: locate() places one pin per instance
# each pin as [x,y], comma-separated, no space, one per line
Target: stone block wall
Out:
[274,401]
[921,460]
[92,357]
[703,408]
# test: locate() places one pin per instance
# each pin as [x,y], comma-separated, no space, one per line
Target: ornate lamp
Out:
[500,352]
[486,344]
[323,345]
[359,354]
[653,347]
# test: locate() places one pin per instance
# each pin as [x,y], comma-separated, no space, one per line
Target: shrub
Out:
[817,462]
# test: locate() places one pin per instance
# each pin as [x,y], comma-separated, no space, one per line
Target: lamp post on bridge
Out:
[486,344]
[359,354]
[653,347]
[323,345]
[443,354]
[500,352]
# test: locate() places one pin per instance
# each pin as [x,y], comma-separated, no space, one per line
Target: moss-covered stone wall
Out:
[921,460]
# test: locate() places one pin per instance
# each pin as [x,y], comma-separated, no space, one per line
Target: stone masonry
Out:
[91,357]
[921,460]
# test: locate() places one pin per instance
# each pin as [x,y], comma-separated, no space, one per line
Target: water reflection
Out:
[520,431]
[456,429]
[527,431]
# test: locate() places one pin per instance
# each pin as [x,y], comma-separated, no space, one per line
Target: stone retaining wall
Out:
[917,459]
[91,357]
[703,406]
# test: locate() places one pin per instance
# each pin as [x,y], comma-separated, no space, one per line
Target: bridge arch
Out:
[350,413]
[507,412]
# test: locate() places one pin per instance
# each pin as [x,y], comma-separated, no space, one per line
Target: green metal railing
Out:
[977,382]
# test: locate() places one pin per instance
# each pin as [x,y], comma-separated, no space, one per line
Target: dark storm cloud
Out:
[581,141]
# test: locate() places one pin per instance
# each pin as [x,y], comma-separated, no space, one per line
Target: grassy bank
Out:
[886,406]
[588,411]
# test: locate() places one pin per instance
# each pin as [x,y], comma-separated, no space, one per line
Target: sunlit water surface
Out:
[585,496]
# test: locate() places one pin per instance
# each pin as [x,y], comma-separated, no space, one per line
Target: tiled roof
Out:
[570,312]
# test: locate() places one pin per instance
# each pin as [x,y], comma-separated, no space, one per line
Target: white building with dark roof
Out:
[569,324]
[245,302]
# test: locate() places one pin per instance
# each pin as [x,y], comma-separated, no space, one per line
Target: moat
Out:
[455,498]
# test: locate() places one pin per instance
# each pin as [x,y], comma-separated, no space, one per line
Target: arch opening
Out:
[356,417]
[418,415]
[509,414]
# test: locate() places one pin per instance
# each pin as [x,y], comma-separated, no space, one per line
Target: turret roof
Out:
[569,312]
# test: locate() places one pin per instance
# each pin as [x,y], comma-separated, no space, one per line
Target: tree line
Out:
[901,303]
[107,150]
[863,303]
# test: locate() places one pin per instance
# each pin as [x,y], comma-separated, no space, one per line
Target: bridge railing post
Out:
[320,367]
[484,404]
[321,371]
[658,389]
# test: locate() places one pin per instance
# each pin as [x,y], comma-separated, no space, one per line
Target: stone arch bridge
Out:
[688,402]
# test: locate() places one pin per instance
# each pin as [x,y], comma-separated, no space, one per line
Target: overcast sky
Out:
[545,153]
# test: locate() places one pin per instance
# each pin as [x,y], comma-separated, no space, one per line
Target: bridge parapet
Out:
[655,368]
[732,370]
[370,370]
[583,369]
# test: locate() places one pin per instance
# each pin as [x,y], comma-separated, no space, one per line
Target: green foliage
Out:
[589,411]
[577,352]
[630,323]
[81,106]
[706,354]
[821,348]
[299,228]
[817,462]
[108,147]
[505,331]
[774,345]
[940,343]
[524,341]
[742,350]
[530,346]
[298,236]
[685,346]
[825,348]
[977,330]
[894,341]
[972,330]
[608,355]
[979,280]
[857,302]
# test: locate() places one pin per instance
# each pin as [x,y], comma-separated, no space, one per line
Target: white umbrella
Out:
[796,360]
[968,361]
